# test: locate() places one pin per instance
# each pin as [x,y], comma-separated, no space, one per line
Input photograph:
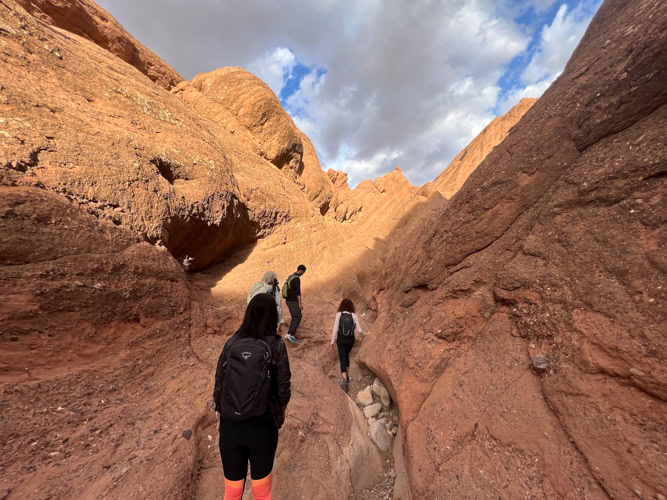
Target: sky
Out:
[374,84]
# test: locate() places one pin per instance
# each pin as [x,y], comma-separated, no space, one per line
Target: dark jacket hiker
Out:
[252,389]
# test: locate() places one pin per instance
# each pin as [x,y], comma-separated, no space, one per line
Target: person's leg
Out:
[262,454]
[295,313]
[234,460]
[347,360]
[342,353]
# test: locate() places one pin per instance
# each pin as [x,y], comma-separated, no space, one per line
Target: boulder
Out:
[335,438]
[372,410]
[365,396]
[380,436]
[381,393]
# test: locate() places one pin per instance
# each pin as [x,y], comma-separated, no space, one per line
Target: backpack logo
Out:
[246,354]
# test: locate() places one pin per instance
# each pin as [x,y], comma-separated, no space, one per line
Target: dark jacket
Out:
[294,291]
[281,376]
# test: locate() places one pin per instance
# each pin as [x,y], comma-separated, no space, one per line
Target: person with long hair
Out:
[345,325]
[252,389]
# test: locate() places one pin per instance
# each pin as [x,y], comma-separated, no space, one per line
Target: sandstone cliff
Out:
[456,173]
[524,339]
[88,20]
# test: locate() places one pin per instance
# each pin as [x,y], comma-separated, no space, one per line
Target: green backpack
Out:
[285,289]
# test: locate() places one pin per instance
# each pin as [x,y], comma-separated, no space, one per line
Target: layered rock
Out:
[89,127]
[88,20]
[552,248]
[456,173]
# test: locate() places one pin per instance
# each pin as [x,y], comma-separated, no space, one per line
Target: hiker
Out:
[270,285]
[292,294]
[343,336]
[252,389]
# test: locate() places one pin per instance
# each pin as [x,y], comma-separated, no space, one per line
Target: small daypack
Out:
[247,379]
[285,290]
[346,325]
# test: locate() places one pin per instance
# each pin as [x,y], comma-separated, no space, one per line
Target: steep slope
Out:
[523,337]
[88,20]
[454,176]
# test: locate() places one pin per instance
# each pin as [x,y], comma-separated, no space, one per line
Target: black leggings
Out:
[344,348]
[254,439]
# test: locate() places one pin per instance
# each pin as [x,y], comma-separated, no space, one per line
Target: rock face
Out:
[553,247]
[456,173]
[246,115]
[90,21]
[326,440]
[247,107]
[377,198]
[130,152]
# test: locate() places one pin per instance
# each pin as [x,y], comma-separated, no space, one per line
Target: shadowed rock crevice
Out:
[205,243]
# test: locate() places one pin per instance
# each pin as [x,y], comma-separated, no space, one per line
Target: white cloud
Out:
[556,44]
[274,68]
[394,82]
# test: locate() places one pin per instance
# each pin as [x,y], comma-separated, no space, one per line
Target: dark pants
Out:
[344,348]
[254,439]
[295,312]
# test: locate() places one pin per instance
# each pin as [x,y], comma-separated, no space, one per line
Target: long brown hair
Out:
[346,305]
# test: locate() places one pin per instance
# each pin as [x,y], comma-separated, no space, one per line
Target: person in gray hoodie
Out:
[270,285]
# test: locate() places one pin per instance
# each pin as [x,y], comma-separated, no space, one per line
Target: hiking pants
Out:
[344,348]
[295,312]
[254,439]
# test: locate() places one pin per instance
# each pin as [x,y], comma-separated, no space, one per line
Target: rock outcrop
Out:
[88,20]
[554,247]
[456,173]
[247,107]
[376,198]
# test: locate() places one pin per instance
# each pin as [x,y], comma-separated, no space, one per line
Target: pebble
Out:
[540,364]
[187,434]
[639,373]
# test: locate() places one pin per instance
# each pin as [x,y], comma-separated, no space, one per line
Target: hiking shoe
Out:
[291,338]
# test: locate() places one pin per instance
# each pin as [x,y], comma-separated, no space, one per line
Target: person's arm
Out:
[279,307]
[298,292]
[283,376]
[357,323]
[334,333]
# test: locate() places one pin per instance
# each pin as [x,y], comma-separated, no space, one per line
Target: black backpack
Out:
[247,379]
[346,325]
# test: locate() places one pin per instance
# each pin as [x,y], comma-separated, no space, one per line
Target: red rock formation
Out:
[90,21]
[247,107]
[551,248]
[456,173]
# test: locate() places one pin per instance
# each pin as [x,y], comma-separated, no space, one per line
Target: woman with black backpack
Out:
[252,389]
[345,324]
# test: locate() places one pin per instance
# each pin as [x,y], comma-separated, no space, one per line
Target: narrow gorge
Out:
[516,303]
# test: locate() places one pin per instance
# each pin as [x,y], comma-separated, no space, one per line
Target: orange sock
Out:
[261,488]
[234,489]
